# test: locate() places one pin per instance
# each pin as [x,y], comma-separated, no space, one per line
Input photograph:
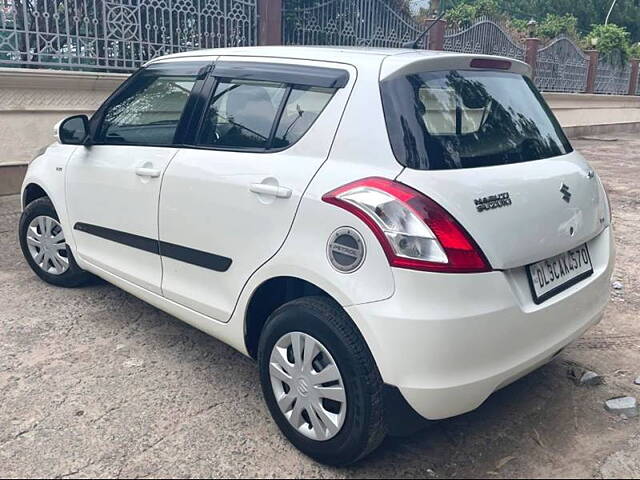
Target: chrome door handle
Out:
[148,172]
[272,190]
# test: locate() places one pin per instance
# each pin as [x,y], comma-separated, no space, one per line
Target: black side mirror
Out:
[74,130]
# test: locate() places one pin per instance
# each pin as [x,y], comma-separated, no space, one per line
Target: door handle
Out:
[271,190]
[148,172]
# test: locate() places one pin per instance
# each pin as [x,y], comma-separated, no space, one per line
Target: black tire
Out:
[74,276]
[364,427]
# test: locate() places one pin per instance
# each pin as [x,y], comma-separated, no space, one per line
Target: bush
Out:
[555,25]
[610,40]
[551,27]
[465,13]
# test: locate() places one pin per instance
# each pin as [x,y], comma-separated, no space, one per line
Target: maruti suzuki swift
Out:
[393,235]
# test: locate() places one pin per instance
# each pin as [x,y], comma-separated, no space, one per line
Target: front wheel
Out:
[320,381]
[45,248]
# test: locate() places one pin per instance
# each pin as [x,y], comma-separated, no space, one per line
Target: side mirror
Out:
[73,130]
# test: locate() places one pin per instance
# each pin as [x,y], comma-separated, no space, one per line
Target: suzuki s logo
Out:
[566,193]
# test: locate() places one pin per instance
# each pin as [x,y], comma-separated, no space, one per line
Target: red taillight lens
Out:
[491,64]
[414,231]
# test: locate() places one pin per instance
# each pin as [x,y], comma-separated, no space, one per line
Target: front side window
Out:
[466,119]
[148,113]
[260,115]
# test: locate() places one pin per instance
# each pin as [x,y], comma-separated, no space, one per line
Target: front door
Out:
[113,186]
[226,206]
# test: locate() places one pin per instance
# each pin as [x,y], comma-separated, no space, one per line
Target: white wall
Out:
[33,101]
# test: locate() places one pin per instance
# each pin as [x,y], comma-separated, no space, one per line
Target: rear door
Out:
[228,202]
[113,186]
[490,151]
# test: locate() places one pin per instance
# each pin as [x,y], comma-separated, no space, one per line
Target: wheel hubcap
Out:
[308,386]
[47,245]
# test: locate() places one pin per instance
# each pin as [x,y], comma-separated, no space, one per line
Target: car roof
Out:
[395,59]
[354,55]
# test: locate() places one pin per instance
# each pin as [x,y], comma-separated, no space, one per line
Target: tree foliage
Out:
[610,40]
[626,13]
[465,12]
[554,25]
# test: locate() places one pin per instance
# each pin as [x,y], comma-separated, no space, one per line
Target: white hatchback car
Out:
[392,234]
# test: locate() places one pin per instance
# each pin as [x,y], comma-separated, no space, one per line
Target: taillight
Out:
[491,63]
[414,231]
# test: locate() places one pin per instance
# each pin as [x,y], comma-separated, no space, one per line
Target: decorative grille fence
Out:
[486,36]
[121,35]
[562,67]
[372,23]
[118,34]
[613,75]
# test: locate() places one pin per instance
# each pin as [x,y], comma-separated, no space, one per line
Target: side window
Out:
[242,114]
[303,107]
[148,113]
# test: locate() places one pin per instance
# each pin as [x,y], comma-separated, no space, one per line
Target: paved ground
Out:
[94,383]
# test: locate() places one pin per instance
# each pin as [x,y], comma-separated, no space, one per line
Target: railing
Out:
[485,36]
[120,35]
[613,75]
[371,23]
[561,67]
[117,35]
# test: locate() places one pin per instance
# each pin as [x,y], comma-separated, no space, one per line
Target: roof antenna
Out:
[414,44]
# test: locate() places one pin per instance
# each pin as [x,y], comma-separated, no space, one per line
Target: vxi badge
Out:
[493,201]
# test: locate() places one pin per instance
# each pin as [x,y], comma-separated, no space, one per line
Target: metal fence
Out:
[118,34]
[373,23]
[613,75]
[561,67]
[486,36]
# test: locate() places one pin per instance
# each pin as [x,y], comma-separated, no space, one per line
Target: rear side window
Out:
[149,112]
[260,115]
[466,119]
[301,110]
[242,113]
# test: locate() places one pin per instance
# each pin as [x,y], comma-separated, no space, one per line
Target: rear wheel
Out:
[320,382]
[45,248]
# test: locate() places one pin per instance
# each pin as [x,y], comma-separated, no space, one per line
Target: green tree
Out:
[611,41]
[587,12]
[554,25]
[466,11]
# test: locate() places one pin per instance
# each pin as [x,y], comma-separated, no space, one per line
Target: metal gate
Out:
[117,35]
[562,67]
[373,23]
[483,37]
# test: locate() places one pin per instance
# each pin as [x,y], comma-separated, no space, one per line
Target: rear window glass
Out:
[466,119]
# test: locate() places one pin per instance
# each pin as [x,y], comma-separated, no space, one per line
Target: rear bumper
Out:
[447,342]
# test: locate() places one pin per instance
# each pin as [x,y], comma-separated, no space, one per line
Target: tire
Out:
[73,275]
[363,427]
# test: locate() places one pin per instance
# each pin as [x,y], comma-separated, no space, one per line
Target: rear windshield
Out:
[467,119]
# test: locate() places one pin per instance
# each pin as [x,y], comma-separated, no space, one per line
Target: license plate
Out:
[553,275]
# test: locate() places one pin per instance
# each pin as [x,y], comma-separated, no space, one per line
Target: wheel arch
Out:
[269,296]
[33,191]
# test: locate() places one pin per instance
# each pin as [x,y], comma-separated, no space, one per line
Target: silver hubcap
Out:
[308,386]
[47,245]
